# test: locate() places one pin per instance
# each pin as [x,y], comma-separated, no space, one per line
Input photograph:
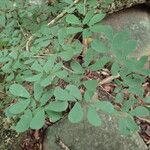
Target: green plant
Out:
[42,72]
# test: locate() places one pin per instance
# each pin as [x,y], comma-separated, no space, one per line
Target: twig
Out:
[107,92]
[27,43]
[144,119]
[100,85]
[61,144]
[62,14]
[85,46]
[1,92]
[109,79]
[67,69]
[85,7]
[24,34]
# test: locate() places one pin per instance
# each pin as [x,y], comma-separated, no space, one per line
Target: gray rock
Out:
[137,21]
[84,136]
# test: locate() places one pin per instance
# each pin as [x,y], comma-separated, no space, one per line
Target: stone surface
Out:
[136,20]
[84,136]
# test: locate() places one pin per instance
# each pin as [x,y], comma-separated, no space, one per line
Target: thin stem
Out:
[67,69]
[27,43]
[63,13]
[109,79]
[85,6]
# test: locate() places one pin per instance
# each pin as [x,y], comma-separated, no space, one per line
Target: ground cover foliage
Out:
[46,52]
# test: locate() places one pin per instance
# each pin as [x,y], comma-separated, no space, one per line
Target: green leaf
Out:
[70,10]
[38,120]
[57,67]
[129,47]
[86,33]
[88,17]
[88,95]
[119,97]
[19,107]
[2,20]
[66,55]
[10,77]
[47,81]
[143,60]
[137,90]
[49,64]
[105,29]
[127,125]
[92,3]
[140,111]
[29,61]
[96,18]
[119,41]
[46,97]
[33,78]
[93,117]
[115,68]
[147,99]
[62,35]
[88,57]
[73,30]
[38,90]
[63,95]
[54,116]
[24,122]
[76,113]
[42,42]
[57,106]
[99,46]
[108,1]
[37,67]
[72,19]
[100,63]
[61,74]
[90,85]
[76,67]
[105,106]
[123,126]
[68,1]
[81,8]
[74,91]
[7,67]
[134,80]
[128,104]
[19,90]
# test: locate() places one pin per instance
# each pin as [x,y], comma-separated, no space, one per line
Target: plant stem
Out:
[63,13]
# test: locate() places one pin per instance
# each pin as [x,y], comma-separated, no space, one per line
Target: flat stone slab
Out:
[83,136]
